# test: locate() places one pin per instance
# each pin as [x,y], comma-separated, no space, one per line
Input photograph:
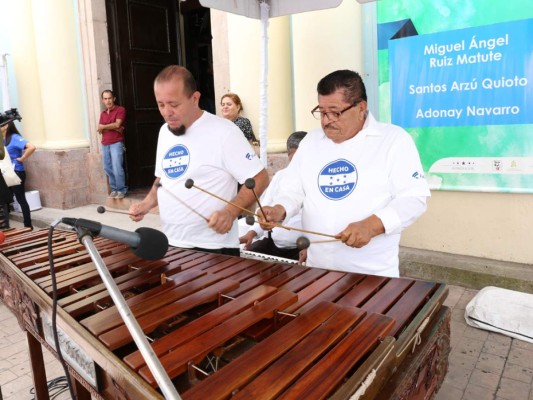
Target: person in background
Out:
[111,127]
[6,197]
[19,150]
[231,109]
[355,178]
[279,242]
[209,150]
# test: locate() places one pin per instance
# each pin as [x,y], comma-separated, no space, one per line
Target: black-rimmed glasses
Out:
[332,115]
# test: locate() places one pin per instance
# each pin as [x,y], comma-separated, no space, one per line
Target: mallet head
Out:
[250,183]
[302,243]
[189,183]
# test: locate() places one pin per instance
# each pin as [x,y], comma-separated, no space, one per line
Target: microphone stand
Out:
[153,363]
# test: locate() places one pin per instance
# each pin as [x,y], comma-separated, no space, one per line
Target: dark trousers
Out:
[20,194]
[267,246]
[225,251]
[4,217]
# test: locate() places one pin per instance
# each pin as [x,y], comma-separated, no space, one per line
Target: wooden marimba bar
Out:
[226,326]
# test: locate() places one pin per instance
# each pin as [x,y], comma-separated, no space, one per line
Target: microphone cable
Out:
[54,309]
[56,386]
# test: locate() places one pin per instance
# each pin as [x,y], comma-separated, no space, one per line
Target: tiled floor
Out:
[15,371]
[483,365]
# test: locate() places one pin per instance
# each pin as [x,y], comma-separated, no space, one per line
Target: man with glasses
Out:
[355,178]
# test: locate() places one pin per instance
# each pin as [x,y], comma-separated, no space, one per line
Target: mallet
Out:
[303,243]
[160,185]
[250,184]
[102,209]
[189,183]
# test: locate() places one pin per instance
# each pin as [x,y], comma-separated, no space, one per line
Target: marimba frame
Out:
[120,379]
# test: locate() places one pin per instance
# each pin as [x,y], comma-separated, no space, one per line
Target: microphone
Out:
[146,243]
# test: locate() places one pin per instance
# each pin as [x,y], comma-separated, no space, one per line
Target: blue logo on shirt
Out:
[176,161]
[337,179]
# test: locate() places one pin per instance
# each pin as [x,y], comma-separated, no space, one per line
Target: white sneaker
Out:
[120,195]
[112,195]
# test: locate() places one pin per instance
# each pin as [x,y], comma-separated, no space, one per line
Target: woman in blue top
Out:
[19,150]
[6,196]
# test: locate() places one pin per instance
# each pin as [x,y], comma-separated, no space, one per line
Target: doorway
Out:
[145,37]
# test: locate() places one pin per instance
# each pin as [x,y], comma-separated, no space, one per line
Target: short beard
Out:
[179,131]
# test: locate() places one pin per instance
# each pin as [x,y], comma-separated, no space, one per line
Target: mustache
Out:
[330,126]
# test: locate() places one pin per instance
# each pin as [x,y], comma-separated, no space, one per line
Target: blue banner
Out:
[466,77]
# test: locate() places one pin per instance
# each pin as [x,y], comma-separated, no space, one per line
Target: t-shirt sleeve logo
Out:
[418,175]
[176,161]
[337,179]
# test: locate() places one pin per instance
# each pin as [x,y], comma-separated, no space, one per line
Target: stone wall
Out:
[66,178]
[276,161]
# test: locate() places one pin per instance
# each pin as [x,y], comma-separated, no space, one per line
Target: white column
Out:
[59,73]
[280,85]
[23,59]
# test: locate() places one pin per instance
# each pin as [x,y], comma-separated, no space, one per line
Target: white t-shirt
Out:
[376,172]
[215,155]
[283,238]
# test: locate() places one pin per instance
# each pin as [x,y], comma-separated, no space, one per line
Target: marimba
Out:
[226,327]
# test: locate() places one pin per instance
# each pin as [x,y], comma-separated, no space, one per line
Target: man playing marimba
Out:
[355,178]
[196,146]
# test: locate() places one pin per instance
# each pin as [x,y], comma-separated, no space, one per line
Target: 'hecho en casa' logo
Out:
[176,161]
[337,179]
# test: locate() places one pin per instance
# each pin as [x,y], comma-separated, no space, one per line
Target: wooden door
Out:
[144,37]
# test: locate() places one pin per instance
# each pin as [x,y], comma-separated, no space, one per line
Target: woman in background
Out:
[6,196]
[19,150]
[231,109]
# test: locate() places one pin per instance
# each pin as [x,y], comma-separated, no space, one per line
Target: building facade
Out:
[61,54]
